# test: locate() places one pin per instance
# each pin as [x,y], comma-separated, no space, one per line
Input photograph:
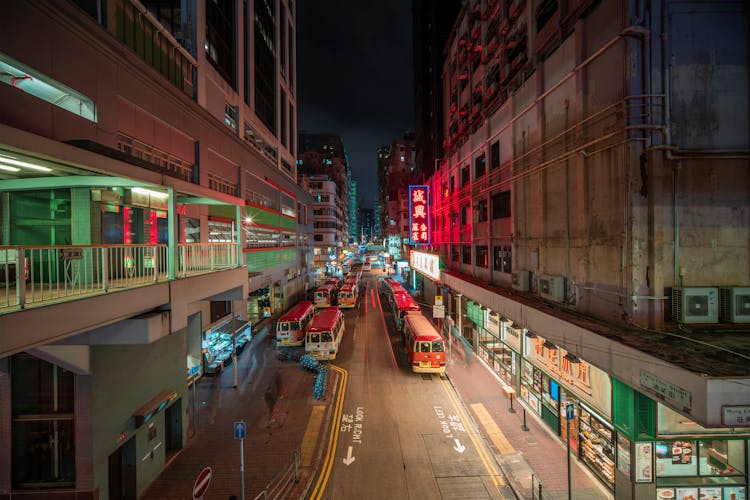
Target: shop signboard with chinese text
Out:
[419,210]
[426,263]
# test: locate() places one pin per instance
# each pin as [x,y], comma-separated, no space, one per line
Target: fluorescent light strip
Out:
[9,169]
[155,194]
[10,161]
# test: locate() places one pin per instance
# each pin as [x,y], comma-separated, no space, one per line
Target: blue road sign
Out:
[569,411]
[239,430]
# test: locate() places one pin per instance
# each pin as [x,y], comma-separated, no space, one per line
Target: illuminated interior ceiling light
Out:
[9,160]
[150,192]
[9,169]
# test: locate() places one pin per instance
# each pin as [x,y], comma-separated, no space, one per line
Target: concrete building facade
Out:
[147,187]
[592,214]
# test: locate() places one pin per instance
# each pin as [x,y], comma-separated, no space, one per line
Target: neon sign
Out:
[419,221]
[425,263]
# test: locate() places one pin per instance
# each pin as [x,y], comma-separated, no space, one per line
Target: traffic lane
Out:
[364,465]
[399,438]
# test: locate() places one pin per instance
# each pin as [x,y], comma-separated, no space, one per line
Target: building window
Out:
[454,253]
[464,215]
[282,40]
[501,205]
[265,63]
[41,86]
[479,166]
[220,44]
[482,257]
[502,258]
[451,185]
[283,120]
[481,209]
[231,115]
[495,155]
[43,447]
[465,175]
[466,254]
[318,237]
[219,309]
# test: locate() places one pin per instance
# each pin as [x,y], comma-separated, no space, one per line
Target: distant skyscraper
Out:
[366,220]
[324,154]
[353,215]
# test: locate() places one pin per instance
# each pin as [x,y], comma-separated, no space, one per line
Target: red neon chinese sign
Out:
[419,220]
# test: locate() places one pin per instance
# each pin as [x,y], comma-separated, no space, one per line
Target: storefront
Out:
[221,341]
[551,378]
[597,444]
[499,346]
[691,465]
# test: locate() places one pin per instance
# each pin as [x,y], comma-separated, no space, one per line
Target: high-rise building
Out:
[329,234]
[396,172]
[596,158]
[147,191]
[324,154]
[432,23]
[353,212]
[366,220]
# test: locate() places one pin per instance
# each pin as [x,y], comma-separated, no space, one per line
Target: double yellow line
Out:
[484,455]
[333,438]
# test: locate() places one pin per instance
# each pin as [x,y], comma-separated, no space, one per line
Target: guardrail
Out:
[280,485]
[32,275]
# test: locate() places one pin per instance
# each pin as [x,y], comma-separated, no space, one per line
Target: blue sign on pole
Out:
[570,411]
[239,430]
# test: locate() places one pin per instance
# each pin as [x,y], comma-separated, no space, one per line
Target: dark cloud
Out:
[354,64]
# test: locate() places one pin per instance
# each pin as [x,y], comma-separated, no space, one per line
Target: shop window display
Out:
[597,446]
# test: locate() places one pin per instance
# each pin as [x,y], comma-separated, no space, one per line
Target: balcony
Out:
[43,275]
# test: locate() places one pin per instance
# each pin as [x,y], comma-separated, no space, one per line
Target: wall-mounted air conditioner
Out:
[695,305]
[552,287]
[520,280]
[734,304]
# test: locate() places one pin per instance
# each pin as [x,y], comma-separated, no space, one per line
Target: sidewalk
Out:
[275,400]
[526,457]
[536,451]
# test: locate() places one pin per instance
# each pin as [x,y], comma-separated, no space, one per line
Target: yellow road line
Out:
[333,439]
[484,456]
[311,435]
[493,431]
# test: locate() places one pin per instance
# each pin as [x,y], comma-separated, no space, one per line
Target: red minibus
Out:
[324,333]
[424,345]
[324,295]
[348,295]
[290,328]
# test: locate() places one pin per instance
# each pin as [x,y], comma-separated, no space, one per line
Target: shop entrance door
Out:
[122,484]
[173,428]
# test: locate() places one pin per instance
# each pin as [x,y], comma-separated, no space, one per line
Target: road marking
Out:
[333,439]
[311,435]
[484,456]
[493,431]
[349,458]
[459,447]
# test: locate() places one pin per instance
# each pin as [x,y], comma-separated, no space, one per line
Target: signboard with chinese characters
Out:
[666,390]
[426,263]
[419,220]
[735,416]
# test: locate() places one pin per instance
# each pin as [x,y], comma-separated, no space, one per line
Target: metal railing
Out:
[32,275]
[283,481]
[198,258]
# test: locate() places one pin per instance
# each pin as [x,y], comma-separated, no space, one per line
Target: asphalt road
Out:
[400,435]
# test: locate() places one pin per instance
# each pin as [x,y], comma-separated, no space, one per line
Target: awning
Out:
[156,404]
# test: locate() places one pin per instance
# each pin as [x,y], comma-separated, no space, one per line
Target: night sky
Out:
[354,64]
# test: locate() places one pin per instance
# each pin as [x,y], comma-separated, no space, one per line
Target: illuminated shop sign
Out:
[426,263]
[419,222]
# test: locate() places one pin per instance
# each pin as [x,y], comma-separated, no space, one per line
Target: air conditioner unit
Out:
[552,287]
[695,305]
[520,280]
[734,304]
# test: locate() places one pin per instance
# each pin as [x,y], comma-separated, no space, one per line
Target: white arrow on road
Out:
[349,458]
[459,447]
